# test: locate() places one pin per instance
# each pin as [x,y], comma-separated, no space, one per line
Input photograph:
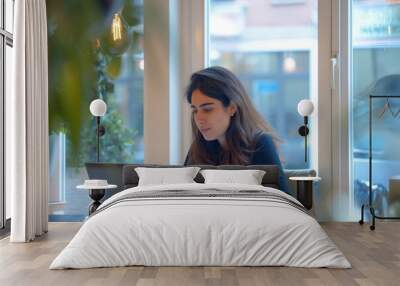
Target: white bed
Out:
[183,231]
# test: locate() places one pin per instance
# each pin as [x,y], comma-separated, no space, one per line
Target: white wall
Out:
[174,49]
[156,81]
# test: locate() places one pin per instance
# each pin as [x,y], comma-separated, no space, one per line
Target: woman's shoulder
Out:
[263,141]
[265,151]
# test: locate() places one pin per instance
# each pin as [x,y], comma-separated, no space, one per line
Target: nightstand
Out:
[96,193]
[305,189]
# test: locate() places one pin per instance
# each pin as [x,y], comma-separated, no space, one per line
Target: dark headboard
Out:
[271,178]
[124,175]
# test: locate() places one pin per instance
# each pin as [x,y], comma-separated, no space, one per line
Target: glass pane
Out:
[103,60]
[8,92]
[272,48]
[1,16]
[375,48]
[9,15]
[2,109]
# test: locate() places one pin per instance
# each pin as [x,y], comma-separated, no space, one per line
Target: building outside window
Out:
[273,50]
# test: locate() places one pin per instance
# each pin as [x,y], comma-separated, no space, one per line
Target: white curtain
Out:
[27,122]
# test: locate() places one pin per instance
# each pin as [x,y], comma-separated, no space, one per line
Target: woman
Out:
[227,129]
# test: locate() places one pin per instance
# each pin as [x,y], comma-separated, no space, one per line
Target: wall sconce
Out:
[98,108]
[305,107]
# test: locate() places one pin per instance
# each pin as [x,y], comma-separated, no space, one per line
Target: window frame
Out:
[341,106]
[6,39]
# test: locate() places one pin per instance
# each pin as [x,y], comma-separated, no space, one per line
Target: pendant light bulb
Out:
[116,28]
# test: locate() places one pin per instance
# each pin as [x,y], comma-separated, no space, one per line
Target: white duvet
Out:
[200,231]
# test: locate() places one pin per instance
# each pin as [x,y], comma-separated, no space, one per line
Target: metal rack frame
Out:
[370,203]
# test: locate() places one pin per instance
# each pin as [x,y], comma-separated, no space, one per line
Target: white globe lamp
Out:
[305,108]
[98,109]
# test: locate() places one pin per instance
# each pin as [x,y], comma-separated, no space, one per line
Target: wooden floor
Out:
[374,255]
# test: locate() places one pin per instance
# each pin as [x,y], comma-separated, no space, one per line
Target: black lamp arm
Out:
[100,131]
[303,131]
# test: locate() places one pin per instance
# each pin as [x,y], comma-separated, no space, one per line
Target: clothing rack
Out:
[370,203]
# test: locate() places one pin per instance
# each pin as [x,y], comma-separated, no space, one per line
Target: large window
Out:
[95,51]
[375,48]
[273,50]
[6,44]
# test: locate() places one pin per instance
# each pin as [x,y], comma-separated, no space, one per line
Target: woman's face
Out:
[211,117]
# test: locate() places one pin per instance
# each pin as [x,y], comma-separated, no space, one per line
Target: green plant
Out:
[71,58]
[80,71]
[117,144]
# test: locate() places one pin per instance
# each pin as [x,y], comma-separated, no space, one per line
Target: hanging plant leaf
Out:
[131,13]
[113,69]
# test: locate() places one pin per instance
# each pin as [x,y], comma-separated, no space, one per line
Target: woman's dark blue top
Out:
[265,154]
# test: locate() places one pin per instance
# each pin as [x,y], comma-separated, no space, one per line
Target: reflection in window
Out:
[375,48]
[95,51]
[275,56]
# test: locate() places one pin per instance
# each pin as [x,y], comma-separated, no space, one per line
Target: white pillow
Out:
[248,177]
[162,176]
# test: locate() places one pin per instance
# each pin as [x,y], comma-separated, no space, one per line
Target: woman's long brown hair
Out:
[245,125]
